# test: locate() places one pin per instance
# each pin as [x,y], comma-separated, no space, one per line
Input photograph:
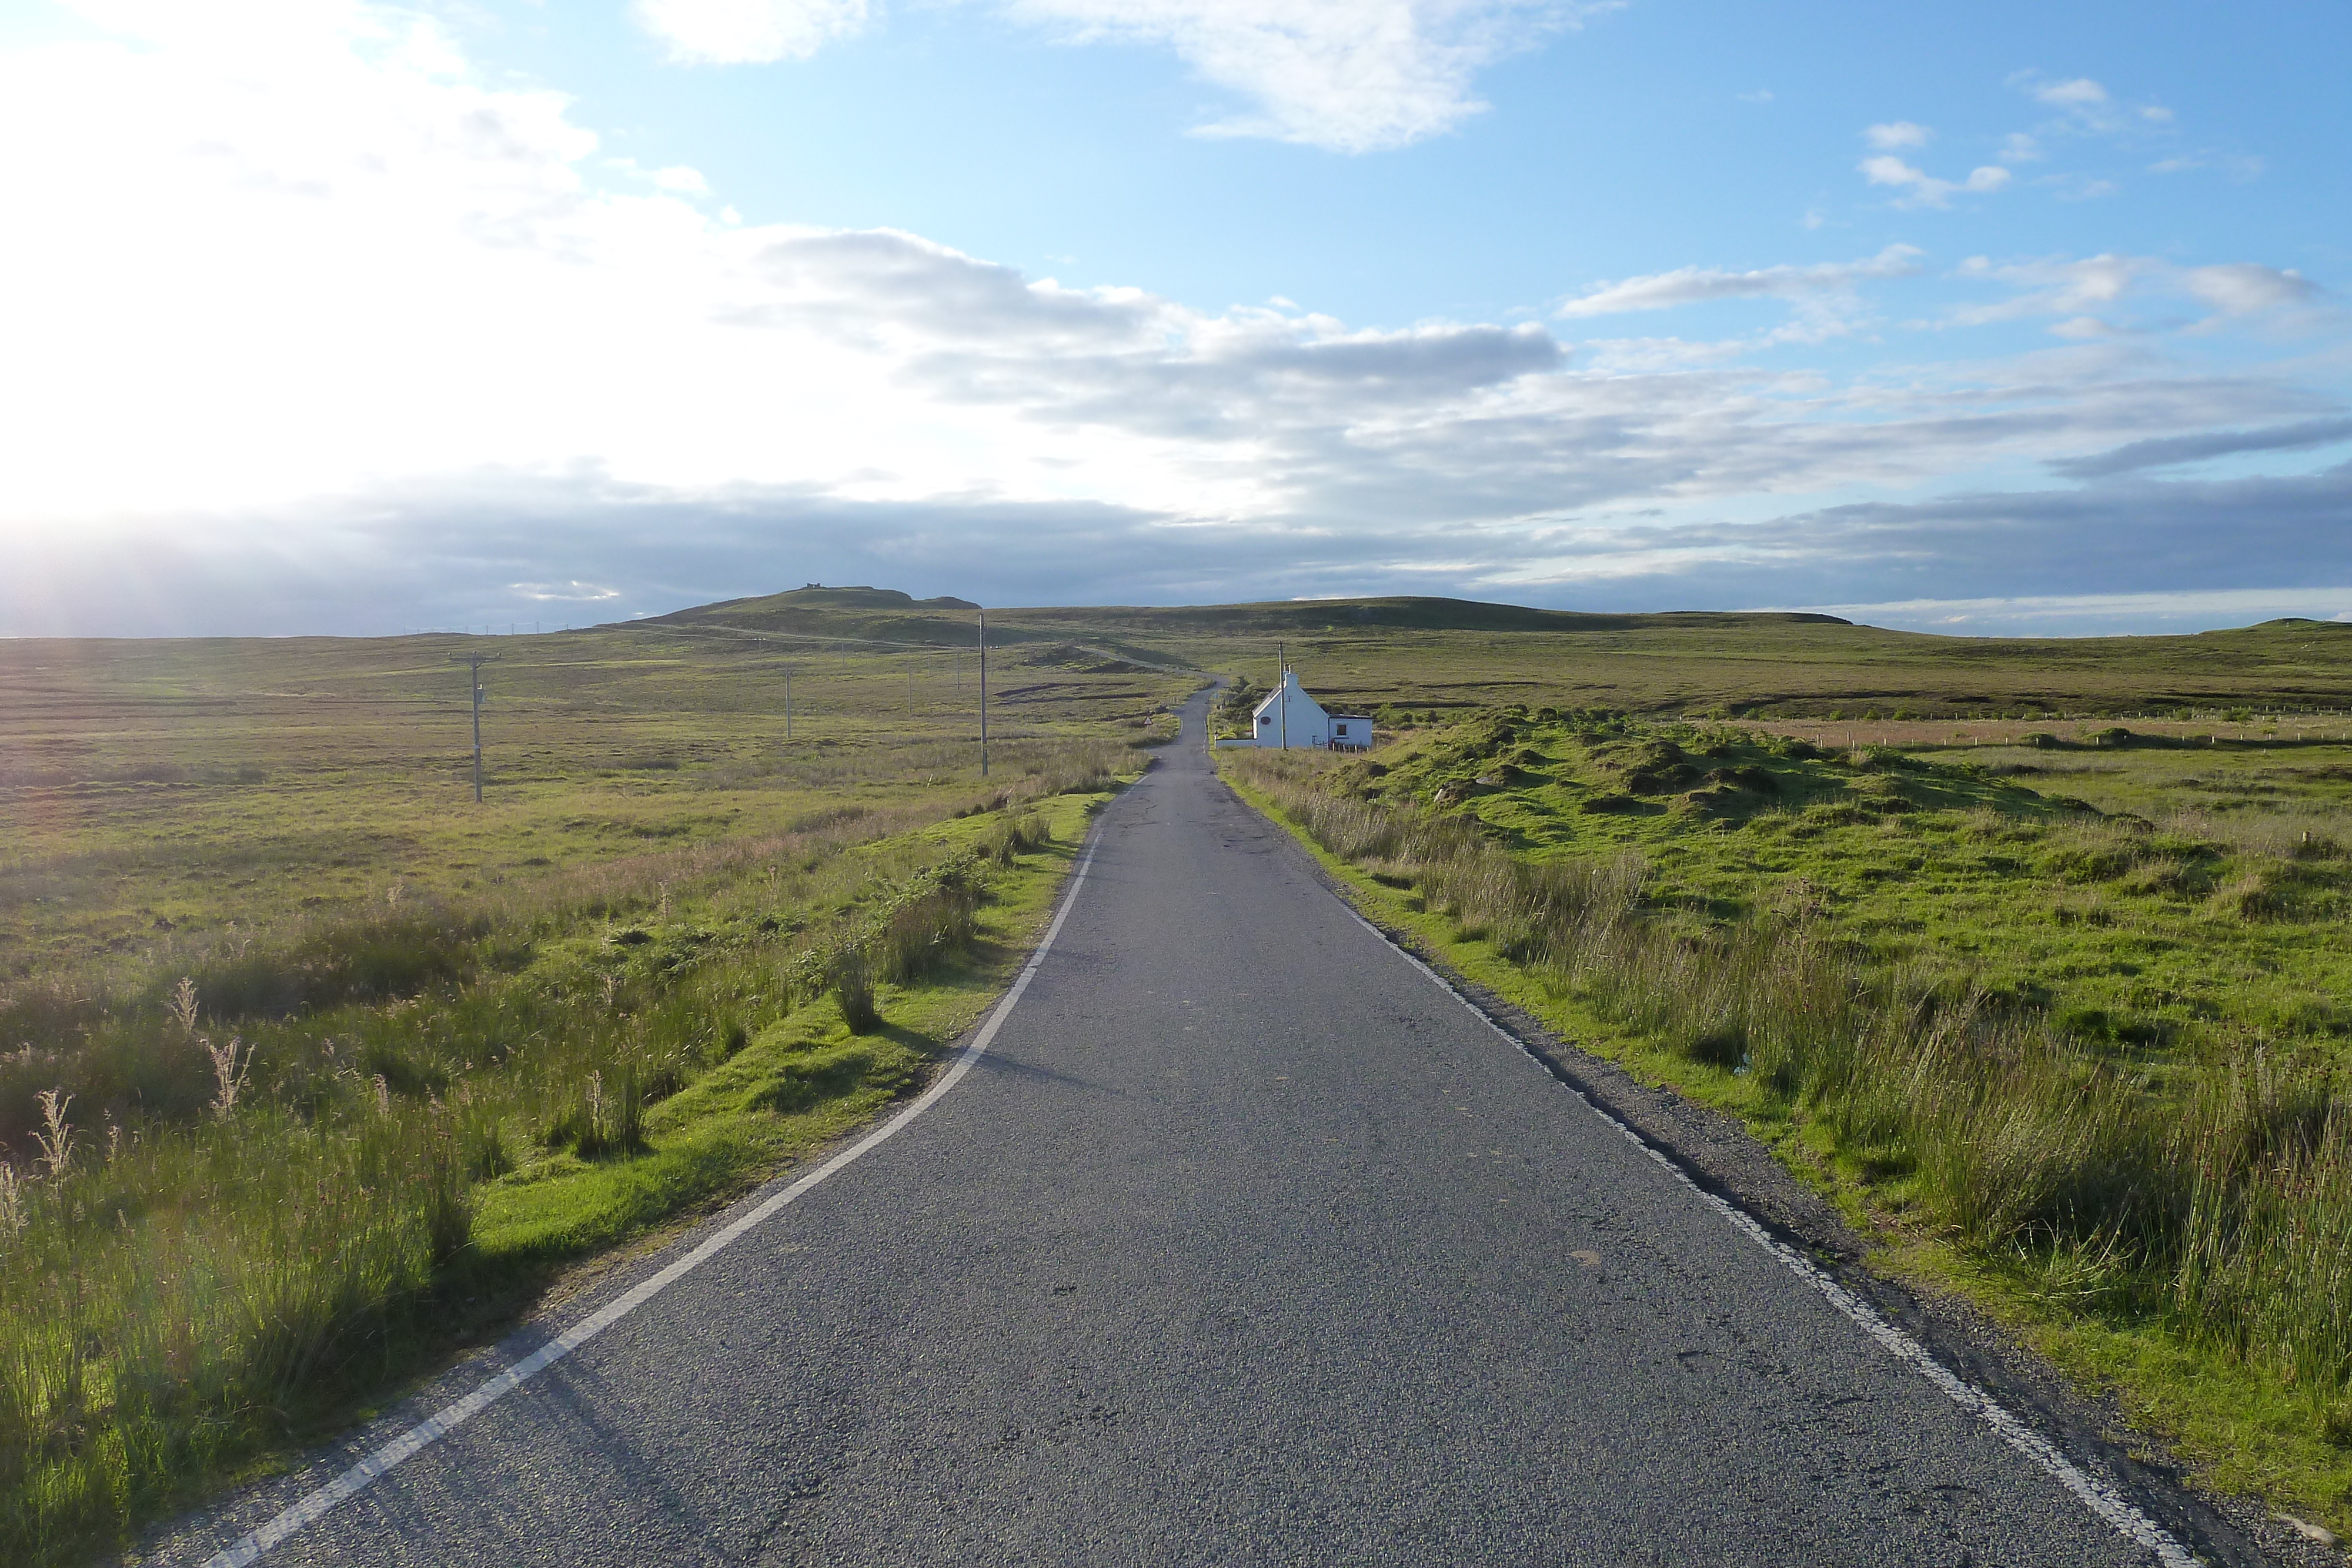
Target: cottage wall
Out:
[1309,727]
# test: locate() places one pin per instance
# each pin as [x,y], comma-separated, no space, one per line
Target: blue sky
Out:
[338,317]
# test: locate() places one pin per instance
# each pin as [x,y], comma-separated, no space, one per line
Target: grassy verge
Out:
[2162,1205]
[801,1081]
[265,1198]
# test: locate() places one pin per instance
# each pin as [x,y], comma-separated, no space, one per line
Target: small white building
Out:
[1288,716]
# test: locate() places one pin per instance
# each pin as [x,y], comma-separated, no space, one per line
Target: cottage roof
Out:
[1290,684]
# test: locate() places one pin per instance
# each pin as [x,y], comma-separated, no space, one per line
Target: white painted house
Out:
[1288,716]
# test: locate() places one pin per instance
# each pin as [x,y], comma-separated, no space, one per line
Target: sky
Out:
[332,316]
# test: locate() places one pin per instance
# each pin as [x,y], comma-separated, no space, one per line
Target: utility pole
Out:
[474,663]
[1282,691]
[983,693]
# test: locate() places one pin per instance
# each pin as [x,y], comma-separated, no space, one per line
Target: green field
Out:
[430,1054]
[2066,1025]
[2166,899]
[157,793]
[347,1070]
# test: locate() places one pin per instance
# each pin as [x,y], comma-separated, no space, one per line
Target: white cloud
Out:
[1923,190]
[2240,288]
[575,592]
[2081,92]
[747,32]
[1897,135]
[2081,329]
[2070,288]
[1351,76]
[2056,287]
[2018,147]
[2239,167]
[1695,285]
[2086,107]
[2098,614]
[2079,187]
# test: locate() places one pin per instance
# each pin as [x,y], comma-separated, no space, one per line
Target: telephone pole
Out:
[983,693]
[474,663]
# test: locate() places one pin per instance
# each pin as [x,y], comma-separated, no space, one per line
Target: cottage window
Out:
[1343,729]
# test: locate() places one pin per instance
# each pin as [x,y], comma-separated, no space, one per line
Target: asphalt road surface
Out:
[1244,1244]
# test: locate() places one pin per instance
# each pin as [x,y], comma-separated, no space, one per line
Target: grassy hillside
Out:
[1452,655]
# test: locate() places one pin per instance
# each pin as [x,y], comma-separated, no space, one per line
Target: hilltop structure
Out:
[1289,718]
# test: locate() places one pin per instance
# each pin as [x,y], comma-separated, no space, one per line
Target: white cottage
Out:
[1288,716]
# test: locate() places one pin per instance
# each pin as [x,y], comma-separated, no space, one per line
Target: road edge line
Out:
[319,1503]
[2101,1499]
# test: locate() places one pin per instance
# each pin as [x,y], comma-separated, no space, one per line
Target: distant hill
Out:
[1448,653]
[817,596]
[885,614]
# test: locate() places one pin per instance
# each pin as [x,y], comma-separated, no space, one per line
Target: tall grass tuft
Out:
[852,992]
[926,924]
[171,1307]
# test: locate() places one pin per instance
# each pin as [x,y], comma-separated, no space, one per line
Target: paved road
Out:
[1245,1244]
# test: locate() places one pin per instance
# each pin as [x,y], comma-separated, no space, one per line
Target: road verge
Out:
[581,1243]
[1758,1165]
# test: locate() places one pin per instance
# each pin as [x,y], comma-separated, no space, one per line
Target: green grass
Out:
[206,1290]
[802,1080]
[162,800]
[682,942]
[2086,1064]
[470,1046]
[2163,902]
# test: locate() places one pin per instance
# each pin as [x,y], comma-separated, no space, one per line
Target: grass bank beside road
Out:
[389,1178]
[312,1074]
[2081,1054]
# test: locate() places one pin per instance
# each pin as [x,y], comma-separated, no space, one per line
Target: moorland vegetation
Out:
[312,1070]
[1449,655]
[2072,1014]
[314,1073]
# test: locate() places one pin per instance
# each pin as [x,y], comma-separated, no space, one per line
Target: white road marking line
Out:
[368,1471]
[2095,1494]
